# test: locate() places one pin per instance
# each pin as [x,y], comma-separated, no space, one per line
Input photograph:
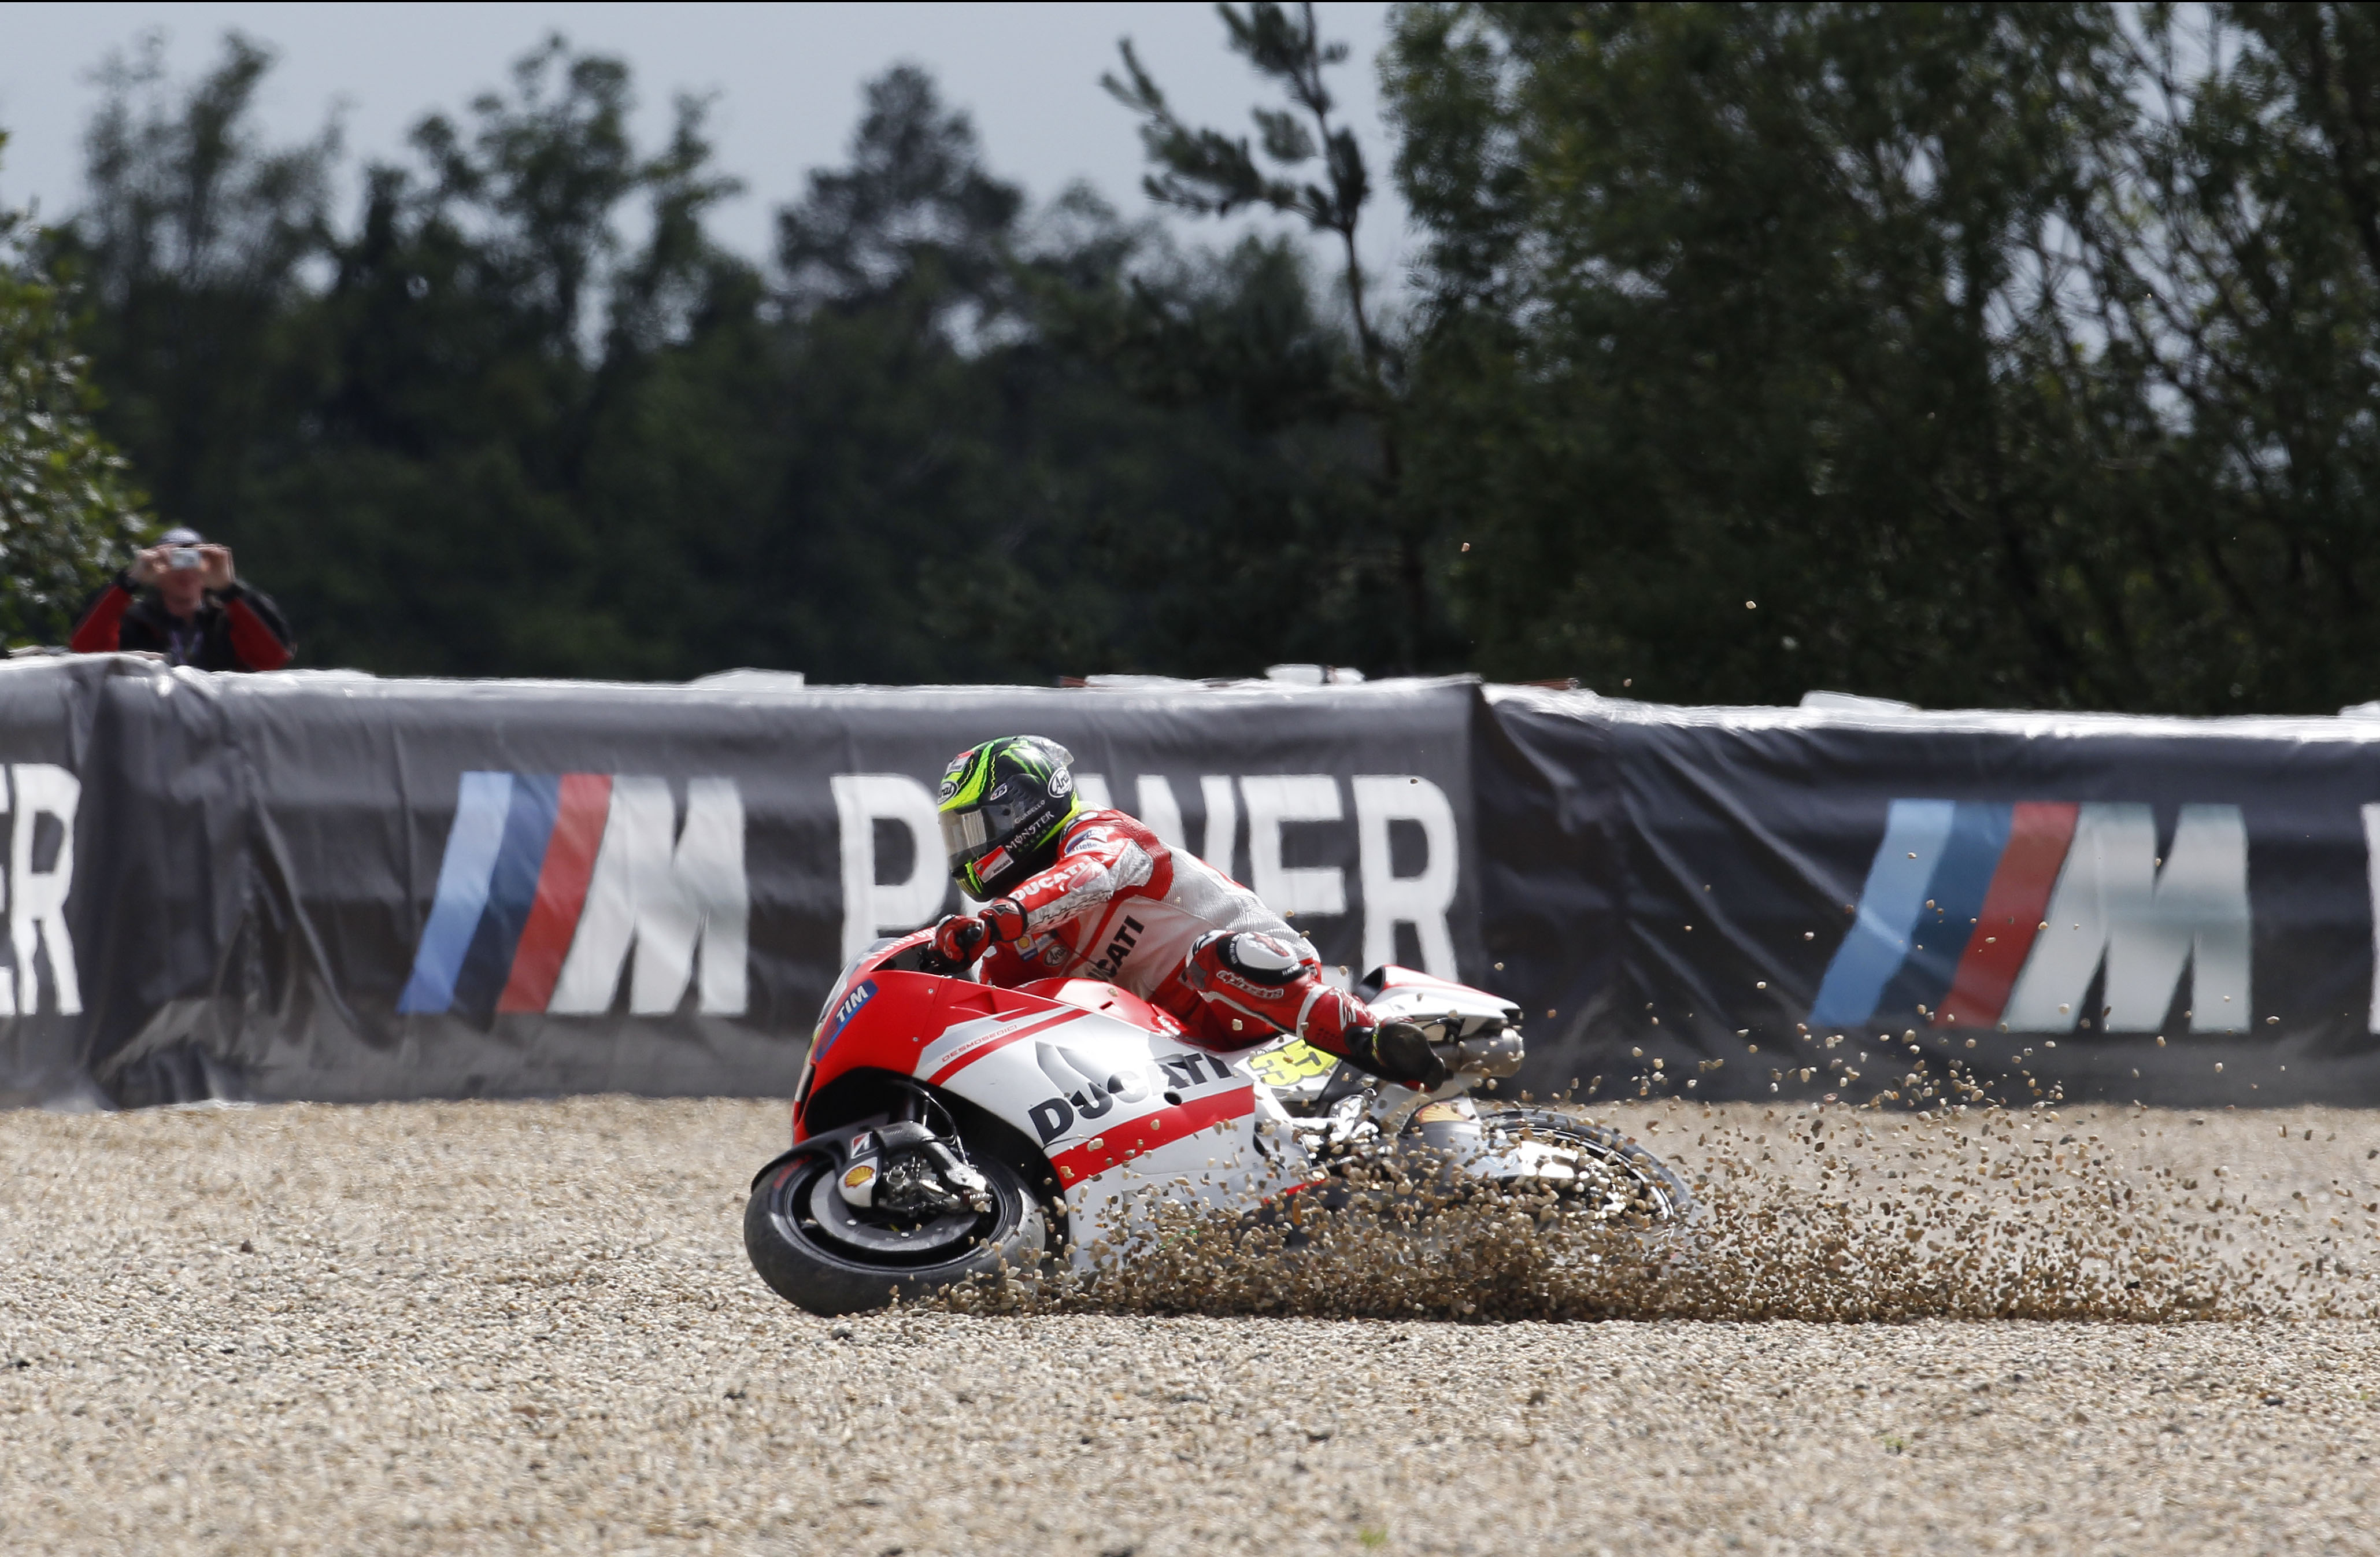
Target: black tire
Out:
[1616,1177]
[818,1265]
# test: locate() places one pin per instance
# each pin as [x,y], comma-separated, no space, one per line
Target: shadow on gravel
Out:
[1828,1214]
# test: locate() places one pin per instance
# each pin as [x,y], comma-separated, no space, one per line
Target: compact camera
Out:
[181,557]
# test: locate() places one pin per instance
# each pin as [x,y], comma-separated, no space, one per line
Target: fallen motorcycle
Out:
[945,1129]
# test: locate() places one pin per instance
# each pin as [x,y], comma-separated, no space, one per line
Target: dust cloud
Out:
[1822,1213]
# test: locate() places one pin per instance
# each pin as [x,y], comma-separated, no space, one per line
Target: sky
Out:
[786,81]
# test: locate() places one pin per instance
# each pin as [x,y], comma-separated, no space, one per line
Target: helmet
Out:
[1002,805]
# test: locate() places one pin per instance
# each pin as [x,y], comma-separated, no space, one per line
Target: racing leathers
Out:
[1123,907]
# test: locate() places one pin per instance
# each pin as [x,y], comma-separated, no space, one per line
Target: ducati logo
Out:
[1110,961]
[1086,1098]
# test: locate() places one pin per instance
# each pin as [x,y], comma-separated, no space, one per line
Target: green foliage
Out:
[1357,531]
[942,437]
[67,511]
[2001,354]
[1966,353]
[1209,173]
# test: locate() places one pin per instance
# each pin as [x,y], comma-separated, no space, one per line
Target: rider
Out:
[1093,894]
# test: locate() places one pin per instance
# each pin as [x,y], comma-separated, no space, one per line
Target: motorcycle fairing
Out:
[1408,995]
[1091,1073]
[1119,1112]
[870,1032]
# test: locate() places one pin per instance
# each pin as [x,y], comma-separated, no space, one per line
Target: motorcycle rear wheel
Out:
[841,1263]
[1594,1166]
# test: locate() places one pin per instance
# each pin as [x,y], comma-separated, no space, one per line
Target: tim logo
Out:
[831,1028]
[550,881]
[2004,916]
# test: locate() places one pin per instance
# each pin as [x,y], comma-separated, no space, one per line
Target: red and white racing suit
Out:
[1121,905]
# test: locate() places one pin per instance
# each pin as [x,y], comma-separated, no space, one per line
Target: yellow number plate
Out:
[1293,1062]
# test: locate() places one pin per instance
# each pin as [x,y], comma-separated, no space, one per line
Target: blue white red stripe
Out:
[1953,901]
[472,844]
[582,802]
[510,888]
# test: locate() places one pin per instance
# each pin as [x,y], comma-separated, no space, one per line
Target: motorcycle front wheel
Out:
[821,1254]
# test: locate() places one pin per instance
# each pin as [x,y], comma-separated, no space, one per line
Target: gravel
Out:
[530,1326]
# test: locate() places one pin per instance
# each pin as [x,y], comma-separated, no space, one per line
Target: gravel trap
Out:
[531,1327]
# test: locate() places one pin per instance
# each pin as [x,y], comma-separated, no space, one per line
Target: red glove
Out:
[1003,919]
[962,938]
[959,939]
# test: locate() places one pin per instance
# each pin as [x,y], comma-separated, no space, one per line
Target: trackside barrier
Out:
[321,885]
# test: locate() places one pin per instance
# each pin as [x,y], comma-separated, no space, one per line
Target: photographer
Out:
[196,613]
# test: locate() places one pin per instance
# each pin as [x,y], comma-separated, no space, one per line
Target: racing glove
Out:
[1398,1051]
[961,938]
[1006,918]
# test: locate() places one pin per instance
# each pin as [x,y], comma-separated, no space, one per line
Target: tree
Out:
[67,510]
[916,207]
[401,453]
[190,251]
[1007,457]
[945,436]
[1742,366]
[2018,354]
[483,346]
[2001,354]
[1211,173]
[2231,258]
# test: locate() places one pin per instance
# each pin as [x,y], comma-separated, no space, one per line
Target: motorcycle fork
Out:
[1441,1129]
[914,1104]
[1451,1127]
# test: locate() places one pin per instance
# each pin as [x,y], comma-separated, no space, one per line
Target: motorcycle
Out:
[944,1129]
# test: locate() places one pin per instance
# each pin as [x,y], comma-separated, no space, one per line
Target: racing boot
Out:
[1398,1051]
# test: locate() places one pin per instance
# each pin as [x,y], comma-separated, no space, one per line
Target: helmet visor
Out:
[969,835]
[964,835]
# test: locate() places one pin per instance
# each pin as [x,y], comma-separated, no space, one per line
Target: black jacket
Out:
[237,628]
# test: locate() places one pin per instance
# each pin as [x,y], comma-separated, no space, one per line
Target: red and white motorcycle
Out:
[943,1128]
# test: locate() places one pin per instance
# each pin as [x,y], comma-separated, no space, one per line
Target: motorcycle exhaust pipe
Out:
[1492,1055]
